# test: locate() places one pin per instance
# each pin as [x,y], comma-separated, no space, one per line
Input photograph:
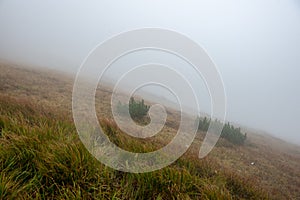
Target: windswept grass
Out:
[41,157]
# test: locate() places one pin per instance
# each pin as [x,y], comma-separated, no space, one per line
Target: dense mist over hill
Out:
[255,45]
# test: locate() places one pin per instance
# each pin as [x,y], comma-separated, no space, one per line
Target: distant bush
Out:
[233,134]
[229,132]
[204,124]
[137,109]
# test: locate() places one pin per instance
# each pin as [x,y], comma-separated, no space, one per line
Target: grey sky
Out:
[255,44]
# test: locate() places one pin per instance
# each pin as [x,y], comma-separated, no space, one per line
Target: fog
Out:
[255,44]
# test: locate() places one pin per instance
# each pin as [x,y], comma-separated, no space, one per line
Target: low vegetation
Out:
[41,157]
[229,132]
[138,110]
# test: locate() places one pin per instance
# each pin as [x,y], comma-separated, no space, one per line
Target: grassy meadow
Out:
[42,157]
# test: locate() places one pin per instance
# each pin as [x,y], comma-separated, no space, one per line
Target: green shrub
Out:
[233,134]
[204,124]
[137,109]
[229,132]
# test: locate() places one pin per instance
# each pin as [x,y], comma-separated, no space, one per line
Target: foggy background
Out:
[255,44]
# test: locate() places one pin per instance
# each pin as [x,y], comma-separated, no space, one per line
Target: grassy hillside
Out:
[41,155]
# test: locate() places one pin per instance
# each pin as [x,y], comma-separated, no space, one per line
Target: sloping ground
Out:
[41,155]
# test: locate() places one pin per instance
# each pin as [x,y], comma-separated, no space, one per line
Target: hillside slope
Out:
[41,155]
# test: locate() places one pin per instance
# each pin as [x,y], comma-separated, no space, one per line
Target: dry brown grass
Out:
[276,167]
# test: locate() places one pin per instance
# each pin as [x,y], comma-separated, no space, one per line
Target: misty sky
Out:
[255,44]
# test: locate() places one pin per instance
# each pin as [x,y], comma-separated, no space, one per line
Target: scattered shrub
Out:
[233,134]
[137,109]
[229,132]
